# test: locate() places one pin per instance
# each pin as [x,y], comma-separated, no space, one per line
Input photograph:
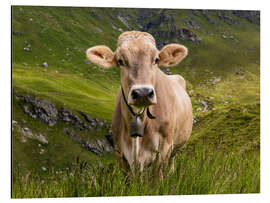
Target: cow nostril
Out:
[134,94]
[151,94]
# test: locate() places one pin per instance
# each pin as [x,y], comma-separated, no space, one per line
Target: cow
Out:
[153,113]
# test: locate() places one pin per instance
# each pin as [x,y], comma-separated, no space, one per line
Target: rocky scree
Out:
[48,113]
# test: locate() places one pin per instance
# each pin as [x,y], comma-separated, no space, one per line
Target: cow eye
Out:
[120,62]
[156,61]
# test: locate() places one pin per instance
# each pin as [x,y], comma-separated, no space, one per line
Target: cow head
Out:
[138,59]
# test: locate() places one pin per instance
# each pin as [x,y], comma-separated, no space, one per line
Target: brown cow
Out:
[153,112]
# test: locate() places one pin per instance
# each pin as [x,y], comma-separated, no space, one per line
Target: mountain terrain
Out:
[62,104]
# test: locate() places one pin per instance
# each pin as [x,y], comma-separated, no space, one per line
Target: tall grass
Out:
[201,171]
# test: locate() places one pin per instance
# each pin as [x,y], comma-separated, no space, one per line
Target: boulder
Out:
[40,109]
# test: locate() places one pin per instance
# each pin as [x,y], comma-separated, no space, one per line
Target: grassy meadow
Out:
[223,153]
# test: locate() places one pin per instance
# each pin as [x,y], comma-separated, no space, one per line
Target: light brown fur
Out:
[173,124]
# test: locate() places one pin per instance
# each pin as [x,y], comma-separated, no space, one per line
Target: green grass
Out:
[223,153]
[200,171]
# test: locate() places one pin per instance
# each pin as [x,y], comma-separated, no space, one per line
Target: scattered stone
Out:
[194,120]
[98,29]
[205,14]
[124,21]
[87,61]
[45,64]
[120,30]
[195,12]
[41,151]
[17,33]
[191,23]
[225,18]
[205,106]
[185,34]
[215,80]
[26,48]
[251,16]
[239,73]
[27,133]
[95,15]
[42,139]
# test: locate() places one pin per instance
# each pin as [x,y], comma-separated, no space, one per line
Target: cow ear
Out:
[172,54]
[102,56]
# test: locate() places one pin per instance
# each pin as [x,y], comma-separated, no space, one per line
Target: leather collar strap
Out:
[131,110]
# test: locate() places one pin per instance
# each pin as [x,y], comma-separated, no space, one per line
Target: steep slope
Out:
[48,63]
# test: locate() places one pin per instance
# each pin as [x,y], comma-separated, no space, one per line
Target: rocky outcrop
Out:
[47,112]
[251,16]
[98,146]
[39,109]
[192,24]
[225,18]
[185,34]
[26,133]
[206,13]
[162,26]
[95,15]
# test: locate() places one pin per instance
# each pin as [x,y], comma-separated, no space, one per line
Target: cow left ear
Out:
[172,54]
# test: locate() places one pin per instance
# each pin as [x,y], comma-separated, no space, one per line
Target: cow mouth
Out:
[142,96]
[138,108]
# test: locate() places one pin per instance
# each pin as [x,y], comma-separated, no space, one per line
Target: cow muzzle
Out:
[142,96]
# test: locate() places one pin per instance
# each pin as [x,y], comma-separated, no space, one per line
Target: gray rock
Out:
[205,106]
[225,18]
[94,14]
[251,16]
[27,133]
[26,48]
[17,33]
[191,23]
[45,64]
[215,80]
[40,109]
[14,122]
[205,14]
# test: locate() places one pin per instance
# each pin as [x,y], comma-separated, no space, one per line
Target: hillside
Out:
[63,104]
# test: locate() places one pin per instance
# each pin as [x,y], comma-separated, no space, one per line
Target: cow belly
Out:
[183,119]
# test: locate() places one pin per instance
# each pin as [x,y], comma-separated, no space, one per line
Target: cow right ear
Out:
[101,56]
